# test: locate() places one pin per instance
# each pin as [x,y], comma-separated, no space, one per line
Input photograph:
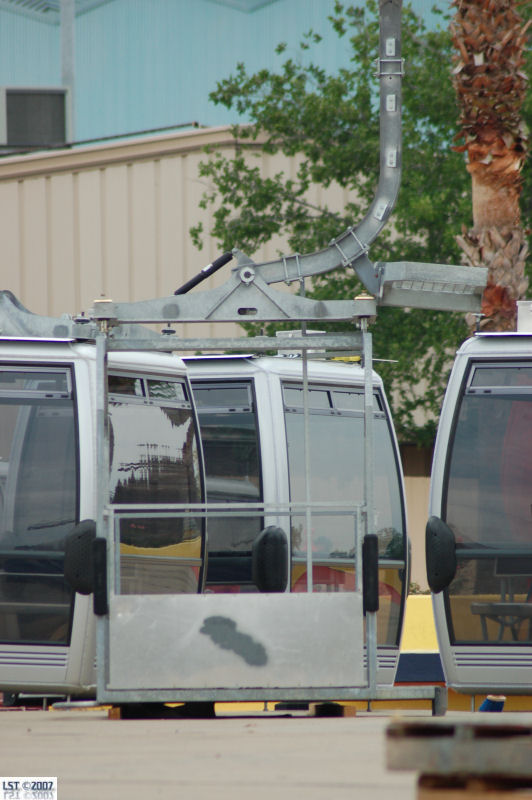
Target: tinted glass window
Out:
[349,401]
[498,375]
[38,503]
[490,471]
[160,555]
[223,397]
[155,459]
[336,468]
[154,456]
[166,390]
[316,398]
[337,474]
[232,462]
[125,384]
[488,506]
[38,381]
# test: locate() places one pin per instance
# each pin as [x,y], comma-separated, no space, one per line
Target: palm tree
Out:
[490,37]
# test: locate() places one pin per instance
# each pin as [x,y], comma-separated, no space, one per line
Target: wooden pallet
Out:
[480,757]
[432,787]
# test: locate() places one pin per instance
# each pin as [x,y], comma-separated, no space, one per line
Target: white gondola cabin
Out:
[479,535]
[251,414]
[48,484]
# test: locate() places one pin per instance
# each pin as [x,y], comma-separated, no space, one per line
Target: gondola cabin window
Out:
[155,459]
[39,499]
[336,461]
[487,504]
[229,432]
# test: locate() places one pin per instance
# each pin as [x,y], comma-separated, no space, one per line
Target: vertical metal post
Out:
[67,21]
[306,452]
[102,492]
[359,533]
[102,449]
[369,471]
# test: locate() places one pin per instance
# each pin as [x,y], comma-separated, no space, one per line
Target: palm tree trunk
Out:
[489,37]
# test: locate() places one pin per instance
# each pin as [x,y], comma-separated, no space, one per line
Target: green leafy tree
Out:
[331,123]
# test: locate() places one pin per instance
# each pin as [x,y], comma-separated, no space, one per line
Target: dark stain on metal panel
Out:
[224,633]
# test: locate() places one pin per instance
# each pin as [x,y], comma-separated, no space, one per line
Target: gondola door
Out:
[481,490]
[160,638]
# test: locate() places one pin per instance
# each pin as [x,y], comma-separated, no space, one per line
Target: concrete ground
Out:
[254,754]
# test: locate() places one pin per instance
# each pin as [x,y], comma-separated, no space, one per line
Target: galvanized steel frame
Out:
[361,343]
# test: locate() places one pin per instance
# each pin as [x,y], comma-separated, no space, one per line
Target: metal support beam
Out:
[68,56]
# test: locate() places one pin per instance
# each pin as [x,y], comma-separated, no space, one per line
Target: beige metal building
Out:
[113,221]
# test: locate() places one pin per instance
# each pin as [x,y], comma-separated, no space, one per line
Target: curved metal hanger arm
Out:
[351,247]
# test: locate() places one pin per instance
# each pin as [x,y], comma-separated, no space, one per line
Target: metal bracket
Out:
[380,72]
[299,277]
[348,260]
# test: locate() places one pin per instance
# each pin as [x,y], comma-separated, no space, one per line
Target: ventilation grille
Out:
[34,658]
[493,658]
[386,659]
[33,117]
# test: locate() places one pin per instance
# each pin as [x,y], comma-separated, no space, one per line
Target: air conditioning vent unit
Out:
[34,118]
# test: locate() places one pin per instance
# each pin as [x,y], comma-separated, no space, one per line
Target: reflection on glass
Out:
[490,600]
[348,401]
[488,484]
[488,507]
[500,375]
[38,503]
[316,398]
[337,463]
[231,451]
[155,459]
[227,397]
[153,453]
[166,390]
[125,384]
[232,466]
[39,381]
[337,474]
[160,556]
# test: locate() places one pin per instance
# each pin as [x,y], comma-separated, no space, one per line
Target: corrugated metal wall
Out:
[114,221]
[142,64]
[29,51]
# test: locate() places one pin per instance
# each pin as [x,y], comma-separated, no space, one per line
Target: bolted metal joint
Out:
[104,312]
[247,275]
[365,307]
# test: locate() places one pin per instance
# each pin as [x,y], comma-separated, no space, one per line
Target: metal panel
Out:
[221,640]
[48,10]
[29,51]
[35,222]
[63,284]
[479,669]
[115,199]
[11,241]
[162,86]
[88,222]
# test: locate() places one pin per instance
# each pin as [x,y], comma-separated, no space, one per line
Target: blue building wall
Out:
[29,51]
[144,64]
